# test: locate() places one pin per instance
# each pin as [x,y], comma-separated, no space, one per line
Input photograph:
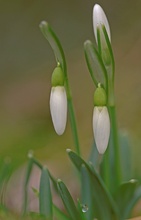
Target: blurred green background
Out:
[27,62]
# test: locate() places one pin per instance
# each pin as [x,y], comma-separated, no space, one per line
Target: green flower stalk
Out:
[58,101]
[101,120]
[103,39]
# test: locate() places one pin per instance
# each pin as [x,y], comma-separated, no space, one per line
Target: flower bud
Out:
[100,19]
[57,77]
[101,128]
[58,108]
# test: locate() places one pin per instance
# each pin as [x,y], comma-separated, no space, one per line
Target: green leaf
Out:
[95,64]
[86,194]
[81,207]
[103,204]
[54,43]
[59,214]
[39,165]
[68,201]
[126,196]
[45,197]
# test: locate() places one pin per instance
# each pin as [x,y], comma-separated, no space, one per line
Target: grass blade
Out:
[68,201]
[86,193]
[45,197]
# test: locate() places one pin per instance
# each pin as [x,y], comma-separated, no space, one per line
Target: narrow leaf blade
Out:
[86,193]
[45,197]
[68,201]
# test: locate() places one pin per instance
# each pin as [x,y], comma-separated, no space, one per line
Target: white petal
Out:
[101,128]
[58,108]
[99,18]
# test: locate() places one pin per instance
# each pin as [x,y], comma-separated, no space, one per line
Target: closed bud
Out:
[101,128]
[99,22]
[100,19]
[58,108]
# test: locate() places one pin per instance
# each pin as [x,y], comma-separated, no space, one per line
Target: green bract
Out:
[57,77]
[100,97]
[106,57]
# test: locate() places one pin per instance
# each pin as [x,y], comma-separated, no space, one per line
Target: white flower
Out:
[58,108]
[99,19]
[101,128]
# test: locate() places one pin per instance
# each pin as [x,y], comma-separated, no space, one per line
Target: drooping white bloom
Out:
[101,128]
[58,108]
[99,19]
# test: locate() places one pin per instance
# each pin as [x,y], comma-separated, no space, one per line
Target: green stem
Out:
[111,166]
[71,111]
[73,126]
[105,169]
[115,144]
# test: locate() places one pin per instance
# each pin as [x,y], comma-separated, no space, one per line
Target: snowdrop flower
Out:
[100,19]
[101,120]
[58,101]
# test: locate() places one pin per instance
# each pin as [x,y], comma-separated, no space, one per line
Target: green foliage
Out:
[68,201]
[45,197]
[102,202]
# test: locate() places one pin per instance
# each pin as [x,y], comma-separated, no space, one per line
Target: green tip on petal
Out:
[57,77]
[100,97]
